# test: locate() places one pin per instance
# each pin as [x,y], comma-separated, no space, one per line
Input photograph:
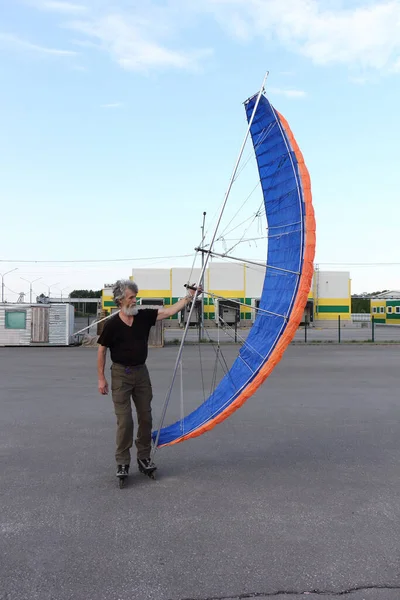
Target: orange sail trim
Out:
[300,302]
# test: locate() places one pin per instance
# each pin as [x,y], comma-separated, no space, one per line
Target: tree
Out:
[360,305]
[85,294]
[83,309]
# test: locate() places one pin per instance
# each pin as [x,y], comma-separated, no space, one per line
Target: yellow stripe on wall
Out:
[154,293]
[229,293]
[334,302]
[332,317]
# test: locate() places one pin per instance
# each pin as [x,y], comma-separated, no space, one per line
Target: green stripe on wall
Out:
[333,309]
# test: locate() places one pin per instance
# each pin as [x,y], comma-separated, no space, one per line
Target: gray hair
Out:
[120,288]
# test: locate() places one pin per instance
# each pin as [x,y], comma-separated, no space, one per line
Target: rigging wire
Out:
[263,135]
[243,340]
[257,214]
[182,403]
[202,374]
[224,232]
[224,365]
[260,212]
[262,310]
[252,262]
[262,237]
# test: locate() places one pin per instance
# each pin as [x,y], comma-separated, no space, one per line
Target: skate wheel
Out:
[121,482]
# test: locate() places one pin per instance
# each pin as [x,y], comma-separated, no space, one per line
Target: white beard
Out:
[132,311]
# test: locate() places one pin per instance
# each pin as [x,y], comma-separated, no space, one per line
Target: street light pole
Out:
[202,280]
[61,290]
[30,287]
[50,286]
[2,282]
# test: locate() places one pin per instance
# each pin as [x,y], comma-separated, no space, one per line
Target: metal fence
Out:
[363,330]
[338,332]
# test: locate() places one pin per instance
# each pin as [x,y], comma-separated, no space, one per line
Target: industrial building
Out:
[225,283]
[385,308]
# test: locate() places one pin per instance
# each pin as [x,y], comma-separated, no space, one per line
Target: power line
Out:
[12,291]
[96,260]
[163,258]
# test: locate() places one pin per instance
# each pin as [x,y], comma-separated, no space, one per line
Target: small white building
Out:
[36,324]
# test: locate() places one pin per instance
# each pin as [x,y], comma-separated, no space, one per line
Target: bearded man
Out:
[126,334]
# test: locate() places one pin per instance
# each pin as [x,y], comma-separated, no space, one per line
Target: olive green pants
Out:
[127,383]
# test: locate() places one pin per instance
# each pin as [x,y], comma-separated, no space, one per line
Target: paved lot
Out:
[297,492]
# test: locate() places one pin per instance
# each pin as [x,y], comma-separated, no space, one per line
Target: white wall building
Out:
[36,324]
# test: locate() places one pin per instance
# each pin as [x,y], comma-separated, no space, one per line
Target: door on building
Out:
[195,318]
[229,311]
[308,315]
[40,325]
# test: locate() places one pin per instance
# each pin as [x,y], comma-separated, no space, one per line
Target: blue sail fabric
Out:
[285,211]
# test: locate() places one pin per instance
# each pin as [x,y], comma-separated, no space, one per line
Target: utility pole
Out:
[2,281]
[202,280]
[30,286]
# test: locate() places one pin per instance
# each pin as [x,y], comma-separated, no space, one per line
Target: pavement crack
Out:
[316,592]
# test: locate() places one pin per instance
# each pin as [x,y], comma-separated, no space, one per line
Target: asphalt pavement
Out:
[295,496]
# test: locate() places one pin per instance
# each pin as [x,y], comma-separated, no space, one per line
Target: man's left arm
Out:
[170,311]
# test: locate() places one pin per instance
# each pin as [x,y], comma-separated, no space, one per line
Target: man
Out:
[126,334]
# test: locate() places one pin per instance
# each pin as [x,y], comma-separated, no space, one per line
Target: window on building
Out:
[374,309]
[382,309]
[397,309]
[15,319]
[389,310]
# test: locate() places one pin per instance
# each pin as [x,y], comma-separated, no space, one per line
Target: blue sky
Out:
[121,122]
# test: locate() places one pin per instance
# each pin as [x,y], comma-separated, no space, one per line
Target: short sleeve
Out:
[105,338]
[152,316]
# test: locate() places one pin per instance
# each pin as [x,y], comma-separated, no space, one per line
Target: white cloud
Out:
[361,79]
[366,36]
[112,105]
[139,36]
[20,44]
[60,7]
[131,43]
[288,93]
[396,66]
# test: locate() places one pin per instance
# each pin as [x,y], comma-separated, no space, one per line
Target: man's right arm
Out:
[101,363]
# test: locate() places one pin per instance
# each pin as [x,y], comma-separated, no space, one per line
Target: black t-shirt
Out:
[128,344]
